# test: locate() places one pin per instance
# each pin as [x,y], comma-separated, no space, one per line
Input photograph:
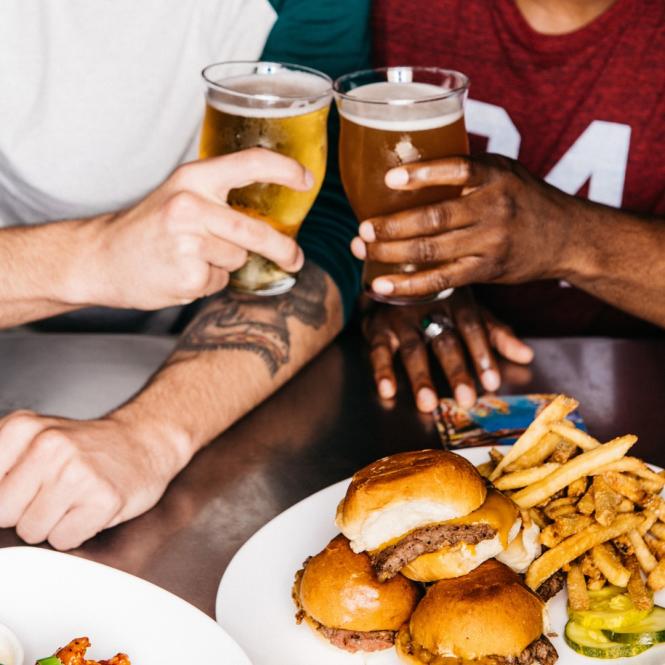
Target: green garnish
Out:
[51,660]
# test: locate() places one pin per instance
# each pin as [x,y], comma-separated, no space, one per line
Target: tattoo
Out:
[245,322]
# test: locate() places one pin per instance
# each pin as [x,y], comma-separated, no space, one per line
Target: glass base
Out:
[402,300]
[261,277]
[274,289]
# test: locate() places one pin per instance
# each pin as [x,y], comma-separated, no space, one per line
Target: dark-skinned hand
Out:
[506,227]
[392,330]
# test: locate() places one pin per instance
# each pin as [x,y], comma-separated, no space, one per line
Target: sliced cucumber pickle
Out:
[650,630]
[604,593]
[595,644]
[613,612]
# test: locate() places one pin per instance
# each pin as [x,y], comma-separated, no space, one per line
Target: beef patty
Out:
[551,586]
[389,561]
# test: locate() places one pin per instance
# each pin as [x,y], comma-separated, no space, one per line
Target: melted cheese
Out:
[498,511]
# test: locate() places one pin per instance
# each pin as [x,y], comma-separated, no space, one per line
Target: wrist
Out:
[85,278]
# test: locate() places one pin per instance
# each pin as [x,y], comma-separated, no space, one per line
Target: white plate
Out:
[255,591]
[48,598]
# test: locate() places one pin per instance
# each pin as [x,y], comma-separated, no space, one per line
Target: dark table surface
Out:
[319,429]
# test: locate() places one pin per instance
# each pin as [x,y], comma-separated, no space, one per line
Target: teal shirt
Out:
[333,37]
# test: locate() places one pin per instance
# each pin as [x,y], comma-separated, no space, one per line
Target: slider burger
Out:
[427,514]
[339,597]
[488,617]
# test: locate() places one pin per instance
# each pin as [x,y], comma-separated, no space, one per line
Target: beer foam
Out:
[394,109]
[290,93]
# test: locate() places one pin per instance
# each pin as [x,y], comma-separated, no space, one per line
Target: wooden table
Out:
[320,428]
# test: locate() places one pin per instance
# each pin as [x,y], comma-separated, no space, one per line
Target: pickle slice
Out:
[614,612]
[650,630]
[594,644]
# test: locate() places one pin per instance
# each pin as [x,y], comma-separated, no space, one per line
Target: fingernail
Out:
[382,286]
[427,400]
[490,380]
[358,248]
[397,177]
[386,389]
[366,232]
[309,179]
[465,396]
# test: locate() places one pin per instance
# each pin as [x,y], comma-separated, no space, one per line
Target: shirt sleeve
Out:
[333,37]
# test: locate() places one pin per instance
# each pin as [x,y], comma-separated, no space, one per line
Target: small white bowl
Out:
[11,651]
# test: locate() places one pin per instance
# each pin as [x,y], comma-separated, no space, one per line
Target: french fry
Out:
[637,591]
[649,485]
[656,545]
[599,583]
[656,579]
[577,487]
[609,565]
[485,469]
[538,517]
[578,597]
[657,505]
[606,501]
[625,506]
[571,471]
[648,520]
[496,456]
[561,510]
[658,530]
[525,477]
[571,433]
[637,467]
[563,527]
[536,455]
[586,505]
[563,452]
[556,410]
[622,543]
[574,546]
[589,567]
[642,553]
[626,486]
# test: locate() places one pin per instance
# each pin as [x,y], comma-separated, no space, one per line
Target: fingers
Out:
[248,234]
[504,340]
[426,250]
[413,353]
[450,354]
[427,220]
[456,170]
[16,432]
[381,357]
[78,525]
[472,330]
[457,273]
[217,175]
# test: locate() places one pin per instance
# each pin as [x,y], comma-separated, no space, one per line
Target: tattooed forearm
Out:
[244,322]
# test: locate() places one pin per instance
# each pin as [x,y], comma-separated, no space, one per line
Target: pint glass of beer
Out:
[282,108]
[390,117]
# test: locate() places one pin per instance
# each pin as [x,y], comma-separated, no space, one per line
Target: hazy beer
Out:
[391,117]
[281,108]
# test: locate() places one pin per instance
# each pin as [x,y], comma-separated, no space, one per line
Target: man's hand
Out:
[65,480]
[507,227]
[181,242]
[391,329]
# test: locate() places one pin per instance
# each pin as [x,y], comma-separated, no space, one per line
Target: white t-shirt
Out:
[101,99]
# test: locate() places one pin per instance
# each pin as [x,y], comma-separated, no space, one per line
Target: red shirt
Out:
[584,110]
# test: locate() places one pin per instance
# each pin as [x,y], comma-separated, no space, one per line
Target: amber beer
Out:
[391,120]
[281,108]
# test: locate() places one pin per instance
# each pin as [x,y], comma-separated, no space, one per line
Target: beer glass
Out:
[276,106]
[394,116]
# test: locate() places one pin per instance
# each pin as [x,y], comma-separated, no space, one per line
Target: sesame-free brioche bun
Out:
[489,612]
[338,589]
[397,494]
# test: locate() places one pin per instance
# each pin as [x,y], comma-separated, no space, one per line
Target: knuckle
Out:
[435,218]
[194,281]
[426,250]
[181,176]
[236,259]
[256,157]
[182,204]
[189,245]
[52,442]
[19,421]
[465,168]
[410,347]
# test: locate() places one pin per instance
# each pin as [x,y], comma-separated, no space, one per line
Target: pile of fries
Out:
[601,516]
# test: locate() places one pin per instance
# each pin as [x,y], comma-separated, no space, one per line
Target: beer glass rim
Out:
[339,82]
[246,95]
